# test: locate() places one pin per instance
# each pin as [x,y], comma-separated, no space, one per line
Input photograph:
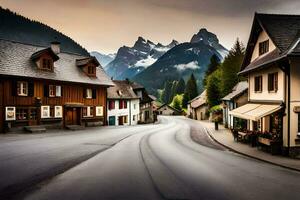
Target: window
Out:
[22,88]
[33,114]
[121,104]
[58,112]
[88,111]
[125,104]
[91,70]
[22,114]
[258,84]
[47,64]
[45,111]
[10,113]
[58,91]
[51,91]
[263,47]
[273,82]
[89,93]
[125,119]
[133,118]
[111,104]
[99,111]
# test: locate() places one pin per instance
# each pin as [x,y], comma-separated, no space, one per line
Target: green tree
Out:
[190,92]
[166,94]
[231,66]
[213,66]
[213,89]
[176,103]
[180,87]
[173,90]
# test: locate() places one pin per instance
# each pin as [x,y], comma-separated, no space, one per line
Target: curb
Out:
[250,156]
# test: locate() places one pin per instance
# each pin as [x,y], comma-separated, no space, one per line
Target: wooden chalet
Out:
[48,87]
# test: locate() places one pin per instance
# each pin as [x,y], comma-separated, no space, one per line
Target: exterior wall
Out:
[262,37]
[201,112]
[165,110]
[71,93]
[295,100]
[265,95]
[130,112]
[146,107]
[1,106]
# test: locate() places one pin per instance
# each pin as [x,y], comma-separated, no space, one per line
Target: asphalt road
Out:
[142,162]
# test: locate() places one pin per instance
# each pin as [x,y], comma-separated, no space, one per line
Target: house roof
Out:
[84,61]
[136,86]
[172,108]
[237,90]
[121,90]
[37,54]
[15,60]
[283,30]
[199,100]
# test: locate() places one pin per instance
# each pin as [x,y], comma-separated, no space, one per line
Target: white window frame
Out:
[99,111]
[88,112]
[11,112]
[23,85]
[47,110]
[89,93]
[58,90]
[58,112]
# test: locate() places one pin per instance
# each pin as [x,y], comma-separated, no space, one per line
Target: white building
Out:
[123,105]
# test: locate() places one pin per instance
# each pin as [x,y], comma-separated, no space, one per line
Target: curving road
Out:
[162,162]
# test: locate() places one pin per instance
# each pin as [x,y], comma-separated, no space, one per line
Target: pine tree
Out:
[173,90]
[166,95]
[213,89]
[213,66]
[231,66]
[180,87]
[191,91]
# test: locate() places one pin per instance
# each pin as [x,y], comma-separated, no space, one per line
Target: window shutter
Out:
[46,90]
[84,93]
[31,88]
[61,91]
[269,82]
[14,88]
[94,93]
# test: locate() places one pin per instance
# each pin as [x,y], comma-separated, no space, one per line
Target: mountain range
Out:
[103,58]
[183,60]
[129,61]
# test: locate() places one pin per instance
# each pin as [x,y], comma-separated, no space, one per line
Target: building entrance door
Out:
[72,116]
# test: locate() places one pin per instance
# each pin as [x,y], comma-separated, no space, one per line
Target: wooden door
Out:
[121,120]
[32,118]
[72,116]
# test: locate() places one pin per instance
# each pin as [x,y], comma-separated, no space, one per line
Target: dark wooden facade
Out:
[72,100]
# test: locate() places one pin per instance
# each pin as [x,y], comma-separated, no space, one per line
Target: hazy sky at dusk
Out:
[105,25]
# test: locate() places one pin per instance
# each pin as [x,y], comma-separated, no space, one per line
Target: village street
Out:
[158,161]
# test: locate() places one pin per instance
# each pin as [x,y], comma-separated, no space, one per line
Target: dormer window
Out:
[92,70]
[263,47]
[47,64]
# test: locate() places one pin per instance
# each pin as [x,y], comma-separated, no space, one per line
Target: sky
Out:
[106,25]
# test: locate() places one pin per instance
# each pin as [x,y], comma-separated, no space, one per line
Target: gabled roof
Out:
[199,100]
[84,61]
[15,60]
[237,90]
[49,51]
[283,30]
[121,90]
[136,86]
[172,108]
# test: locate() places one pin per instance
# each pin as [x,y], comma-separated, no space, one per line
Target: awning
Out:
[254,111]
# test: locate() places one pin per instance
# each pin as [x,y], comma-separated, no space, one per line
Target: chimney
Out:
[55,46]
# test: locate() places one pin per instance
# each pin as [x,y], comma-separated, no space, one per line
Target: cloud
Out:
[191,65]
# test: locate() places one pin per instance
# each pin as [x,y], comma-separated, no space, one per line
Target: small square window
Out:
[22,88]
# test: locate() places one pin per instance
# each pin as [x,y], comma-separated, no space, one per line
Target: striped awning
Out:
[254,111]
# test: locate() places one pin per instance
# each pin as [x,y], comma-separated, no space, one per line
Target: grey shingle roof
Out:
[237,90]
[283,30]
[121,90]
[15,60]
[199,100]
